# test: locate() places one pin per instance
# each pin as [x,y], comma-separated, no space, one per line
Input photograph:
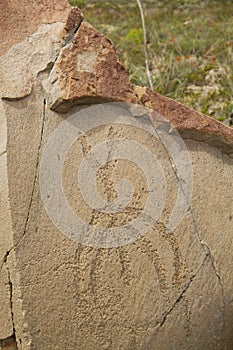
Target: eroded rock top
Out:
[88,71]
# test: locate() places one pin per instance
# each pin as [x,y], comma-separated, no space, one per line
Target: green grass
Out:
[190,46]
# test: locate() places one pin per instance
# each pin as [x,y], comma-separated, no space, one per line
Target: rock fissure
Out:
[73,32]
[4,152]
[188,284]
[36,175]
[46,71]
[12,338]
[208,250]
[74,20]
[5,258]
[204,245]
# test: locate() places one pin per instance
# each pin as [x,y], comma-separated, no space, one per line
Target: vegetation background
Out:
[190,47]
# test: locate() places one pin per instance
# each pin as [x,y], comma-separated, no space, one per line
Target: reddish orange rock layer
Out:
[20,18]
[88,71]
[187,121]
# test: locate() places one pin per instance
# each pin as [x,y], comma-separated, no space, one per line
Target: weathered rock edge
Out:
[88,71]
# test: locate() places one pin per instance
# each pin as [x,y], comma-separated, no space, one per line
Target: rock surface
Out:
[21,18]
[87,71]
[161,290]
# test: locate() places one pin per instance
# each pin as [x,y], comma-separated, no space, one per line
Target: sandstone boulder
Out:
[116,230]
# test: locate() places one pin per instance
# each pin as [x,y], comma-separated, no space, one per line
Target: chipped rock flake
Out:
[21,64]
[87,70]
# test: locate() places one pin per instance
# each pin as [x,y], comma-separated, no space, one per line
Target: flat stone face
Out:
[28,47]
[90,255]
[29,61]
[5,296]
[6,325]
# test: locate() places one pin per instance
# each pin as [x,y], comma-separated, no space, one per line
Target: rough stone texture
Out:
[32,37]
[187,121]
[161,291]
[5,296]
[73,23]
[6,325]
[87,71]
[21,18]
